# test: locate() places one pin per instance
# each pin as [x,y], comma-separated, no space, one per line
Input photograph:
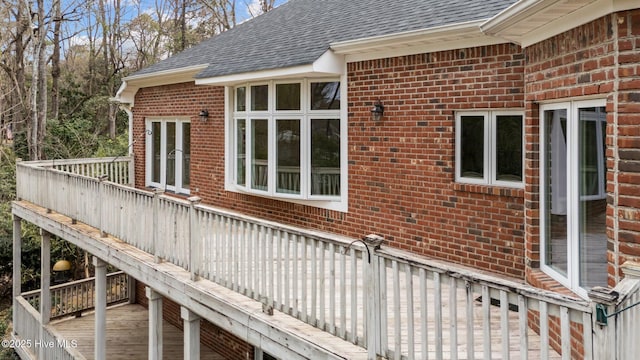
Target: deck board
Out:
[127,335]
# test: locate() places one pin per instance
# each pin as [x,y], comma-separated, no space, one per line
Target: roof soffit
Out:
[530,21]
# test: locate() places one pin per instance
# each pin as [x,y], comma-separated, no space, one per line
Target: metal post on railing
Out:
[131,176]
[156,230]
[193,235]
[102,179]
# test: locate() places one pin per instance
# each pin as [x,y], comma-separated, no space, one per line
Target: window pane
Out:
[325,157]
[472,147]
[325,96]
[260,98]
[288,96]
[156,130]
[260,154]
[241,99]
[288,156]
[241,149]
[555,199]
[509,148]
[186,155]
[171,153]
[593,204]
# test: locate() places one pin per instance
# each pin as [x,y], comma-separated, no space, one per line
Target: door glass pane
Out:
[260,154]
[325,96]
[288,180]
[156,131]
[288,96]
[260,98]
[472,147]
[186,155]
[241,152]
[325,157]
[555,199]
[593,204]
[509,148]
[171,153]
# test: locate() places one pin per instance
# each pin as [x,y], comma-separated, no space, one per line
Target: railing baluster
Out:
[424,314]
[486,321]
[523,321]
[453,318]
[544,331]
[470,301]
[565,333]
[504,323]
[437,305]
[410,313]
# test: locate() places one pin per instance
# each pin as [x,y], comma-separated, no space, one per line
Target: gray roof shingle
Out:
[299,31]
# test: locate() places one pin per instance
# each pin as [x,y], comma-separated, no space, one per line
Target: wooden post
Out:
[155,324]
[17,265]
[191,334]
[156,231]
[101,214]
[604,330]
[45,278]
[101,309]
[132,170]
[131,289]
[193,235]
[372,291]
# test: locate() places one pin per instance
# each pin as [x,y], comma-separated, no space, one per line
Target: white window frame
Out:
[305,115]
[489,155]
[178,187]
[572,279]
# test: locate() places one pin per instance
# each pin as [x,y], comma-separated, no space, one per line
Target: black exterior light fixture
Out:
[204,115]
[377,111]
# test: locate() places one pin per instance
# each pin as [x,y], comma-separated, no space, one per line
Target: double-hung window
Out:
[168,154]
[286,139]
[489,147]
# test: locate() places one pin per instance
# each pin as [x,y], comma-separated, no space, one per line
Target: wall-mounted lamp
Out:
[377,111]
[204,115]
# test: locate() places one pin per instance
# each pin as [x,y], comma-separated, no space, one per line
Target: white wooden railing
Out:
[77,296]
[395,304]
[30,338]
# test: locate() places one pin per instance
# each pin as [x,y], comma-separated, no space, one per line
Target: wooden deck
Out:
[127,335]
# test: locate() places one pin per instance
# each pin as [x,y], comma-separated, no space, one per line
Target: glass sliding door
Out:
[573,199]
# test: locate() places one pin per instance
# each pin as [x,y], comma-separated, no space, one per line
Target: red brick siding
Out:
[582,62]
[401,170]
[220,341]
[627,138]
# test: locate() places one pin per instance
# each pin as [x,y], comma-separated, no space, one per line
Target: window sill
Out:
[489,190]
[334,203]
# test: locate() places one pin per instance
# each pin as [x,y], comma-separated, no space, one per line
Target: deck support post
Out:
[191,334]
[101,309]
[155,324]
[17,265]
[45,278]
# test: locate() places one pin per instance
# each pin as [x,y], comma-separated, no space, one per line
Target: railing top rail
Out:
[475,276]
[71,283]
[53,162]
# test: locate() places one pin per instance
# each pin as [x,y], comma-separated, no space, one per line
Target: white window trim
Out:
[338,203]
[489,160]
[572,279]
[177,188]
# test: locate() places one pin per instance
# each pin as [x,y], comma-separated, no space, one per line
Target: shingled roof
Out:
[300,31]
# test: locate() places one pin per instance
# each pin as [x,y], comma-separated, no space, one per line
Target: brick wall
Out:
[580,63]
[401,170]
[222,342]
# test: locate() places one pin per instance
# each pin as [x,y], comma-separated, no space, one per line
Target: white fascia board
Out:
[131,84]
[417,41]
[328,64]
[508,23]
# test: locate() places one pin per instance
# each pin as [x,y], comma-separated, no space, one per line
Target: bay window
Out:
[285,139]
